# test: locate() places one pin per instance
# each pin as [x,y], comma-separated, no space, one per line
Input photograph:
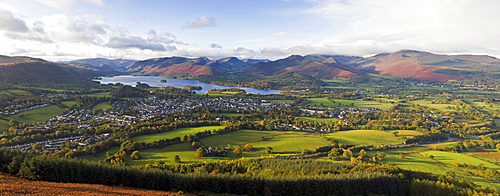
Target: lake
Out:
[178,83]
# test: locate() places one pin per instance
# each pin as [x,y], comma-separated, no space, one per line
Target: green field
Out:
[408,133]
[450,157]
[340,103]
[282,142]
[102,106]
[14,92]
[55,90]
[176,133]
[4,125]
[429,104]
[232,114]
[101,156]
[365,137]
[38,115]
[69,103]
[19,92]
[417,159]
[321,102]
[486,106]
[103,94]
[497,122]
[311,119]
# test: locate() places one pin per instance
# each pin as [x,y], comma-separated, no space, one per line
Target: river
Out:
[179,83]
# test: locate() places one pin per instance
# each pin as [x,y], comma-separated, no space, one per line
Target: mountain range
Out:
[403,64]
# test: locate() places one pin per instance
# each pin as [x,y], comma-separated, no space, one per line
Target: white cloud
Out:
[446,26]
[59,4]
[9,22]
[201,22]
[125,42]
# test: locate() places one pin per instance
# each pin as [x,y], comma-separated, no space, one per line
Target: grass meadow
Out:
[175,133]
[232,114]
[102,106]
[347,103]
[282,142]
[366,137]
[69,103]
[436,106]
[101,155]
[102,94]
[38,115]
[4,125]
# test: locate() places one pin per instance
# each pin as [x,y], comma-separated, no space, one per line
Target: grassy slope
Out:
[101,155]
[417,159]
[38,115]
[283,143]
[69,103]
[102,106]
[365,137]
[450,157]
[4,125]
[347,103]
[104,94]
[176,133]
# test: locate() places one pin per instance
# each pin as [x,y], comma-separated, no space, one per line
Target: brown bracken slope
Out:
[402,65]
[10,185]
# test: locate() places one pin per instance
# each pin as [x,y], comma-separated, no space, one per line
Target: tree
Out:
[362,152]
[334,154]
[200,153]
[380,156]
[248,147]
[195,144]
[347,154]
[177,159]
[13,123]
[269,150]
[36,146]
[135,155]
[238,151]
[395,133]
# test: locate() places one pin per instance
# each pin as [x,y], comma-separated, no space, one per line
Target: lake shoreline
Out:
[156,81]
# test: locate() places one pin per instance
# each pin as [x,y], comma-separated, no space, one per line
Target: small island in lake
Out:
[190,87]
[163,81]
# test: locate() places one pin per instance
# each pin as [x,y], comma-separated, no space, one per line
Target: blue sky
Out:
[263,29]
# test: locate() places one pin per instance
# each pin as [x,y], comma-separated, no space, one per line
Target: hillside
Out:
[94,70]
[10,185]
[10,60]
[318,66]
[113,63]
[424,65]
[30,71]
[181,66]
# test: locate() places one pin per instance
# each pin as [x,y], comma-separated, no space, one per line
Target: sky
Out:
[260,29]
